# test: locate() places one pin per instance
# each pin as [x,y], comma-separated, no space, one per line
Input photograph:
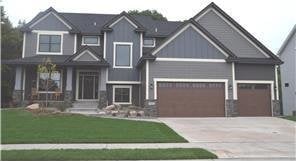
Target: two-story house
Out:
[206,66]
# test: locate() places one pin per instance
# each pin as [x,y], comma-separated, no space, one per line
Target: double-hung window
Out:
[122,94]
[91,40]
[122,57]
[54,82]
[49,43]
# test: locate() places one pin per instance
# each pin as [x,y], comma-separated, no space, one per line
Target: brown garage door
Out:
[190,99]
[254,100]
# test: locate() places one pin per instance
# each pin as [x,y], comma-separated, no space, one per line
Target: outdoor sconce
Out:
[151,85]
[229,86]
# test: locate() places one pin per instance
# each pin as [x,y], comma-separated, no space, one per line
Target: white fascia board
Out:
[84,52]
[182,30]
[24,45]
[123,17]
[58,17]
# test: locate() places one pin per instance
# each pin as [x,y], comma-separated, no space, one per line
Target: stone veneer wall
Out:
[68,98]
[276,107]
[102,99]
[17,97]
[150,108]
[231,108]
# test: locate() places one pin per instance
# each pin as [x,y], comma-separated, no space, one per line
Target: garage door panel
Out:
[191,99]
[254,100]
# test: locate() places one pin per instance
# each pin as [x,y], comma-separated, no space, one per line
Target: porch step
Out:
[83,110]
[85,104]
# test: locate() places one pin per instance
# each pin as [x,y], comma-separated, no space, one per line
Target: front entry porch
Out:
[68,85]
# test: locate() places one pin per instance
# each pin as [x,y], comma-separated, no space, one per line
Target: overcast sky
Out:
[270,21]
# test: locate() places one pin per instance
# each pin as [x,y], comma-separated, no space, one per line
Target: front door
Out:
[87,85]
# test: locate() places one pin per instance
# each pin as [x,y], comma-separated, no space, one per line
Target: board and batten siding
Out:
[229,36]
[190,44]
[123,31]
[189,70]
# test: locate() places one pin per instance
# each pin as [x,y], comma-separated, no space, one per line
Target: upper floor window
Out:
[149,42]
[49,43]
[122,56]
[91,40]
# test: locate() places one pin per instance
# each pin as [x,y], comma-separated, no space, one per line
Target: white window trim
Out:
[182,30]
[84,52]
[192,60]
[122,86]
[156,80]
[43,32]
[123,17]
[82,42]
[232,26]
[149,46]
[123,82]
[61,88]
[114,54]
[58,17]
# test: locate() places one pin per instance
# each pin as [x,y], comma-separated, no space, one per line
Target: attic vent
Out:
[95,23]
[155,29]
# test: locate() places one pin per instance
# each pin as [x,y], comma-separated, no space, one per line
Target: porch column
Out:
[68,98]
[18,91]
[102,88]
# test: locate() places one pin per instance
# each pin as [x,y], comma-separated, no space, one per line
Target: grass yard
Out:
[105,154]
[292,118]
[20,126]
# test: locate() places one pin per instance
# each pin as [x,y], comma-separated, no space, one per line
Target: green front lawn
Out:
[20,126]
[105,154]
[292,118]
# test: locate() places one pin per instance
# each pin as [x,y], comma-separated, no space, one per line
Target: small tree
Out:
[46,67]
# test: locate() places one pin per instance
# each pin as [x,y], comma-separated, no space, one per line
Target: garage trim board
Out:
[271,83]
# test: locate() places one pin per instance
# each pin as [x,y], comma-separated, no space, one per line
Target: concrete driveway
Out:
[239,137]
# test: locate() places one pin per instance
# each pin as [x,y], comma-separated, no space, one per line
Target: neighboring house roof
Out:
[292,32]
[239,27]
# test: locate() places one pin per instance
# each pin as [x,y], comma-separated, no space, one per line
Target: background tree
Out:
[11,48]
[47,67]
[152,13]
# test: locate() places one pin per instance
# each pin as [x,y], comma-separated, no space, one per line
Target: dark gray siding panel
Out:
[31,44]
[228,36]
[189,70]
[254,72]
[123,31]
[190,44]
[52,23]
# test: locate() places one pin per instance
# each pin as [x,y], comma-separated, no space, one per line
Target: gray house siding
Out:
[190,44]
[189,70]
[288,75]
[51,23]
[31,44]
[228,36]
[254,72]
[123,31]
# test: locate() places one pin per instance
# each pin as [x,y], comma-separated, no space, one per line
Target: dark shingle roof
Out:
[93,23]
